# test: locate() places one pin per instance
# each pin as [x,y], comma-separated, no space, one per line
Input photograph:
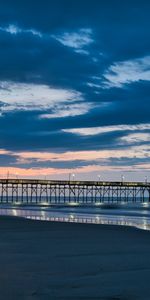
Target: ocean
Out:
[123,214]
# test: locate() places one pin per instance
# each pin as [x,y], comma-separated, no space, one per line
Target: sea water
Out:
[126,214]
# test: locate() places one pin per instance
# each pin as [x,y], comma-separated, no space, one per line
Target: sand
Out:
[45,260]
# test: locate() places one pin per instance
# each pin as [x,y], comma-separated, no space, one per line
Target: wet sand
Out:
[45,260]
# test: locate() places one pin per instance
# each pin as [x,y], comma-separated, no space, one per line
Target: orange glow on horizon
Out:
[10,172]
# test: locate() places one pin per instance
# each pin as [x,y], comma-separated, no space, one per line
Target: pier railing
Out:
[30,191]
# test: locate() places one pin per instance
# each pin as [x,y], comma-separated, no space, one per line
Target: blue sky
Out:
[74,88]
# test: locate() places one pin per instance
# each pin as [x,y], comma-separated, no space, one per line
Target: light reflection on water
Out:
[107,216]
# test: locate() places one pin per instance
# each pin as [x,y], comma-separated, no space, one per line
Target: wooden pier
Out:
[30,191]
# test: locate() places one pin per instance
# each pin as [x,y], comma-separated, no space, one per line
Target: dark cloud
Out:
[120,32]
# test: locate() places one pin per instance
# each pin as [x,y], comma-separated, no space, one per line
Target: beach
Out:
[51,260]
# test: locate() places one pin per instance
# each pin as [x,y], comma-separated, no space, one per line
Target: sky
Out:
[75,89]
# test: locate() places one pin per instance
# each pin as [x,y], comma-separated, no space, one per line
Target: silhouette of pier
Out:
[30,191]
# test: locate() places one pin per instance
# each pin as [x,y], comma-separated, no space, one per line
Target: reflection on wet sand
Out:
[60,216]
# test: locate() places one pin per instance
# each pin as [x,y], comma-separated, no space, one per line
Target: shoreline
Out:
[52,260]
[82,217]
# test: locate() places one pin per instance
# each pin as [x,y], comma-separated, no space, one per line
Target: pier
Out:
[30,191]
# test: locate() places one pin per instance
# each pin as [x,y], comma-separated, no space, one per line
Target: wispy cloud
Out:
[77,40]
[128,71]
[136,138]
[68,110]
[23,96]
[107,129]
[140,151]
[14,30]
